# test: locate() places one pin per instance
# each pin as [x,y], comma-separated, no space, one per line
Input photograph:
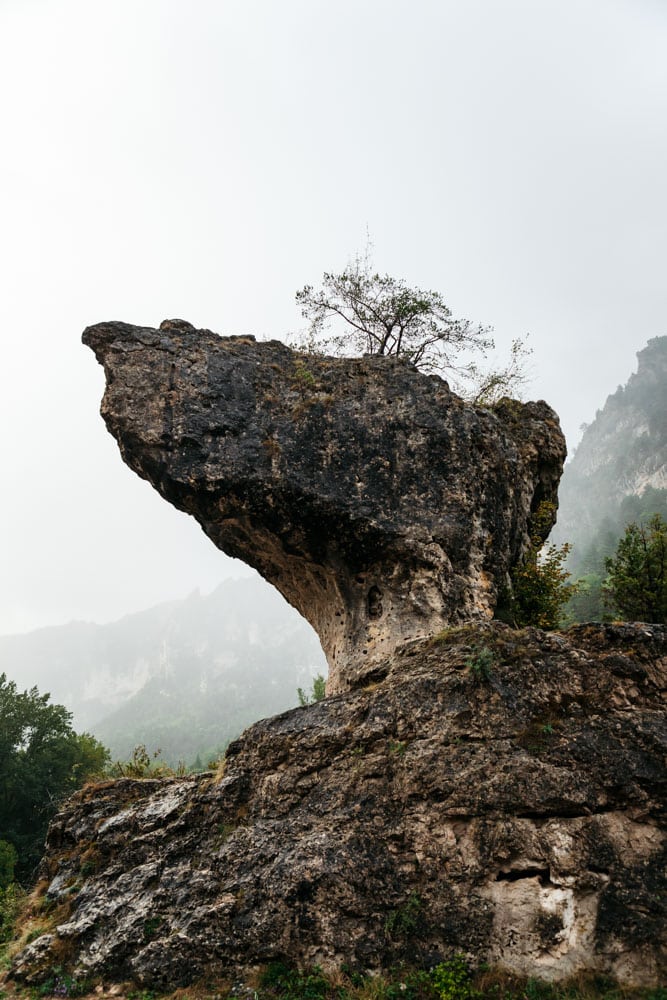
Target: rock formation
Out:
[500,793]
[476,789]
[379,504]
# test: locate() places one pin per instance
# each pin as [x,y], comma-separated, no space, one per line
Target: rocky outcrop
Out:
[379,504]
[497,792]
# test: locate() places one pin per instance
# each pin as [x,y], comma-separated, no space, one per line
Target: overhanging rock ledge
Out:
[381,505]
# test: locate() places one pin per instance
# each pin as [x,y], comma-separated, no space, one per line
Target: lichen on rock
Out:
[381,505]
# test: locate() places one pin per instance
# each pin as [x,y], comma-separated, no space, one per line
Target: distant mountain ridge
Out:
[185,676]
[618,473]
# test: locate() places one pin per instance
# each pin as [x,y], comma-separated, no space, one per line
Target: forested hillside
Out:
[184,677]
[617,475]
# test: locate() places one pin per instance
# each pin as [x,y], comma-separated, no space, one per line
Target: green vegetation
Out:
[42,760]
[317,694]
[377,314]
[637,574]
[451,979]
[595,599]
[143,764]
[406,921]
[480,664]
[540,587]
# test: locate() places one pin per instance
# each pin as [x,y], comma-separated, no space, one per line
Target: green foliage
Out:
[11,901]
[453,981]
[61,984]
[480,664]
[540,587]
[374,313]
[588,603]
[594,600]
[405,921]
[42,760]
[143,764]
[8,859]
[637,574]
[151,927]
[317,694]
[280,980]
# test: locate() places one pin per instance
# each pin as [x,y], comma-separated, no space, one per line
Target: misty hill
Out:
[618,473]
[185,676]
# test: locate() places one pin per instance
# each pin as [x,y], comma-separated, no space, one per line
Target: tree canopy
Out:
[42,760]
[360,311]
[637,573]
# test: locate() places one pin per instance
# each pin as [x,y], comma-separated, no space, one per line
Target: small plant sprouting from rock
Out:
[317,694]
[405,921]
[151,927]
[480,664]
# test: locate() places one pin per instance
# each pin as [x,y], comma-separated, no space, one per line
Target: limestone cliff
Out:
[622,453]
[499,793]
[380,504]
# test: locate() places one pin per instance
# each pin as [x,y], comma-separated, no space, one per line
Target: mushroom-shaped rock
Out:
[380,504]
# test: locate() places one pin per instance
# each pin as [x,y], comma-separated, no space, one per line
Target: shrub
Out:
[540,585]
[480,664]
[452,979]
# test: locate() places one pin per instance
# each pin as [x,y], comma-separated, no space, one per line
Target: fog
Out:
[205,160]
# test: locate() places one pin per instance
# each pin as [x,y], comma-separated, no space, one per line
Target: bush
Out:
[540,587]
[452,980]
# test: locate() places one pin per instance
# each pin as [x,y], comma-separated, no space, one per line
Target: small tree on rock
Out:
[360,311]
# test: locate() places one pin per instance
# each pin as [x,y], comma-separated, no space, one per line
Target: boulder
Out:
[380,504]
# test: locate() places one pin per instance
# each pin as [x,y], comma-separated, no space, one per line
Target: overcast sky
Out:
[204,160]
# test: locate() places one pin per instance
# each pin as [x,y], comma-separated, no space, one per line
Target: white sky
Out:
[205,159]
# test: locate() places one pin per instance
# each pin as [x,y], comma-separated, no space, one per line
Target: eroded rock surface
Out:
[380,504]
[499,793]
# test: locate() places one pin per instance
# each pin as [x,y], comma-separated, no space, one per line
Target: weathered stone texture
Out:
[479,790]
[517,817]
[379,504]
